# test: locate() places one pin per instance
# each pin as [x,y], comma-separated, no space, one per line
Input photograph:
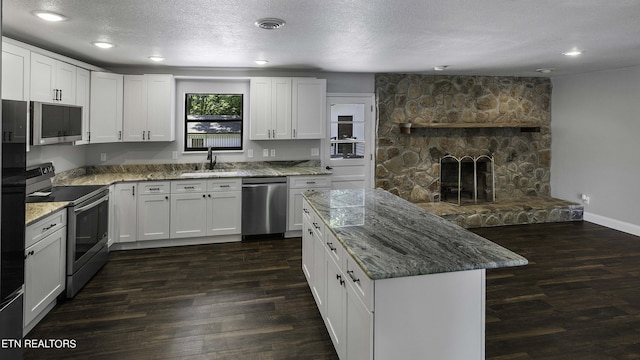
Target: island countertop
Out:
[390,237]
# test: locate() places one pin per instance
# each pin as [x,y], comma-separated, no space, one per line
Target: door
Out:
[106,107]
[351,131]
[125,212]
[188,215]
[153,217]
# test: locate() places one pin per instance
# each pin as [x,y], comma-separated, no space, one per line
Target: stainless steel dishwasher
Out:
[264,205]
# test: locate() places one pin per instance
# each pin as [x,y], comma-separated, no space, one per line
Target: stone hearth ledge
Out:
[390,237]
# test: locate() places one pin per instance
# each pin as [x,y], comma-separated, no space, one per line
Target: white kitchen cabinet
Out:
[308,108]
[106,107]
[154,209]
[83,98]
[45,266]
[52,80]
[287,108]
[206,207]
[125,212]
[16,68]
[270,108]
[336,306]
[149,108]
[359,323]
[188,208]
[298,185]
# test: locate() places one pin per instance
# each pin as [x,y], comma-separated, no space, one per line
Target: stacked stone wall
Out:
[409,164]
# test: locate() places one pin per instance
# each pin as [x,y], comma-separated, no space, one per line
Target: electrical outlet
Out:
[250,153]
[103,156]
[174,155]
[265,152]
[315,152]
[273,152]
[585,198]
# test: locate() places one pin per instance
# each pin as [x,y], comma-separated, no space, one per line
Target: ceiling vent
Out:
[270,23]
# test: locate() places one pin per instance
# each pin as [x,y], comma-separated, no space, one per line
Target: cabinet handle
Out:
[142,134]
[154,189]
[310,232]
[60,95]
[166,197]
[311,182]
[224,186]
[120,135]
[133,190]
[48,227]
[274,133]
[204,196]
[339,278]
[353,278]
[148,134]
[209,195]
[306,211]
[330,245]
[316,226]
[294,133]
[189,187]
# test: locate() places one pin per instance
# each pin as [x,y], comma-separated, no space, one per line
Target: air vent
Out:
[270,23]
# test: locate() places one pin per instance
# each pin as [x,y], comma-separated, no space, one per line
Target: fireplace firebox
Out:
[467,180]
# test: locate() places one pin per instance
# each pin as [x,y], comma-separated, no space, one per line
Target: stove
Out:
[87,222]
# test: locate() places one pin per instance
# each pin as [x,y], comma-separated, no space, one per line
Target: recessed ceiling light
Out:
[440,68]
[545,70]
[573,53]
[49,16]
[156,58]
[103,44]
[270,23]
[261,62]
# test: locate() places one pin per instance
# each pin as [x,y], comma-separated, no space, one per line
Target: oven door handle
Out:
[93,204]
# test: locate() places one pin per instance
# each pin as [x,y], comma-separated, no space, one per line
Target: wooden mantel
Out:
[405,128]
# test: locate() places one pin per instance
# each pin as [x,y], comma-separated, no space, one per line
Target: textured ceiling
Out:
[485,37]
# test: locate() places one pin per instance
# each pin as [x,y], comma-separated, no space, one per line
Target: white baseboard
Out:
[613,223]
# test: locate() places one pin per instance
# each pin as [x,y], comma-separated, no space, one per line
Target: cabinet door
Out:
[134,118]
[281,108]
[16,67]
[260,109]
[106,107]
[83,98]
[125,212]
[308,108]
[336,306]
[359,328]
[188,215]
[160,108]
[65,82]
[307,251]
[43,73]
[44,275]
[295,209]
[319,275]
[153,217]
[224,213]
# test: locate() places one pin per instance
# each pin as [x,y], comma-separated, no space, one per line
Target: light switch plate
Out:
[174,155]
[315,152]
[265,152]
[103,156]
[273,152]
[250,153]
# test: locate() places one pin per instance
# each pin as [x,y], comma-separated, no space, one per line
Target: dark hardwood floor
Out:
[579,298]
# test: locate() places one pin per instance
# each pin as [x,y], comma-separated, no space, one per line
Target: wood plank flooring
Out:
[579,298]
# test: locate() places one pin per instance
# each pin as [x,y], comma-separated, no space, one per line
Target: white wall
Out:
[64,156]
[595,127]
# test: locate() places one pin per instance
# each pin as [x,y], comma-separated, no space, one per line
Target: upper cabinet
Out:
[287,108]
[106,107]
[16,64]
[149,111]
[83,98]
[52,80]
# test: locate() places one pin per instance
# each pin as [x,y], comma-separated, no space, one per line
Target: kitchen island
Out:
[393,281]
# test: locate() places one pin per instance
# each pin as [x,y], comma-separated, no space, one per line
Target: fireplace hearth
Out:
[467,180]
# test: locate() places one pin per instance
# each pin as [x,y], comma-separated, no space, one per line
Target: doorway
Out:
[351,137]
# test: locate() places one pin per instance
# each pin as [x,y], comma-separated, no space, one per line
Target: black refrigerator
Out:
[14,136]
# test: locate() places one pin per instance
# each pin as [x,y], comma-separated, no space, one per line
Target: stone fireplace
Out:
[470,113]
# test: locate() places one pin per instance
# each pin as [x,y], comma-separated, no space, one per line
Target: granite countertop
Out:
[107,175]
[390,237]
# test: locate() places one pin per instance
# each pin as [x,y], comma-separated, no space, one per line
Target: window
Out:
[213,120]
[347,131]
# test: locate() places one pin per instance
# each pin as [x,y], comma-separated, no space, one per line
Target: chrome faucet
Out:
[212,159]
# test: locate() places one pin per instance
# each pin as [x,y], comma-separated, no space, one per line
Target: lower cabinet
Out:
[153,211]
[125,212]
[45,266]
[298,185]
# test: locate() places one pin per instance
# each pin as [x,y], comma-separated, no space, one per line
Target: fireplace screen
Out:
[467,180]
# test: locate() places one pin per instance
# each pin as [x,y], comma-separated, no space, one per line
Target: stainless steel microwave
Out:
[55,123]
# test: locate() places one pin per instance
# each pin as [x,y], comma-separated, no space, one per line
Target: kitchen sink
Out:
[209,174]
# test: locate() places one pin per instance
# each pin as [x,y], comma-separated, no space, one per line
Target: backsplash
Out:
[408,164]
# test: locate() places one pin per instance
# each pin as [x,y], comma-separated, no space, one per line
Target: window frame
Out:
[242,118]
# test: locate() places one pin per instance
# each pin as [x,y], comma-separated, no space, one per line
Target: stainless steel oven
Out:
[87,235]
[87,223]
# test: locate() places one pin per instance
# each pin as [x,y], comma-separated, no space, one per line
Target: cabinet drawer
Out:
[146,188]
[362,285]
[42,228]
[307,212]
[335,249]
[224,184]
[296,182]
[188,186]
